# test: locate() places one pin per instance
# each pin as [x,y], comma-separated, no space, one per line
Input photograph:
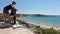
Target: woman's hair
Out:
[13,2]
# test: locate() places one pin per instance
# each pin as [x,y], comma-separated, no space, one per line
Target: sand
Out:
[15,31]
[10,30]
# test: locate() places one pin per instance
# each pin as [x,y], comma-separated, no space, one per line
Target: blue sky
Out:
[48,7]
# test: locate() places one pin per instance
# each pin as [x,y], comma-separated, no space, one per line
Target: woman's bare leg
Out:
[5,18]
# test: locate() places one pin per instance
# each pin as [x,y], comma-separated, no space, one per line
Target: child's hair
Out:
[15,9]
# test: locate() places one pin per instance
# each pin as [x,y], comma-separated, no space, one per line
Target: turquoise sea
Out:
[53,20]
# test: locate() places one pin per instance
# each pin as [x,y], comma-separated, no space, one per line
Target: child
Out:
[13,16]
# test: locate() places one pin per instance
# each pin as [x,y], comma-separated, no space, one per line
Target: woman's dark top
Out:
[7,8]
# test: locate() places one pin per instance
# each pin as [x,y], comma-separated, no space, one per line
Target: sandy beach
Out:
[42,25]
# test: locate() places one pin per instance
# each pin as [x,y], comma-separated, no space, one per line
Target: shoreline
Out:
[42,25]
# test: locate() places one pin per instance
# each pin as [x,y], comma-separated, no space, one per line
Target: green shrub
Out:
[46,31]
[38,31]
[17,15]
[1,18]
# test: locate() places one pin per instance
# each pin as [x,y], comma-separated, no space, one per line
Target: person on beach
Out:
[6,9]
